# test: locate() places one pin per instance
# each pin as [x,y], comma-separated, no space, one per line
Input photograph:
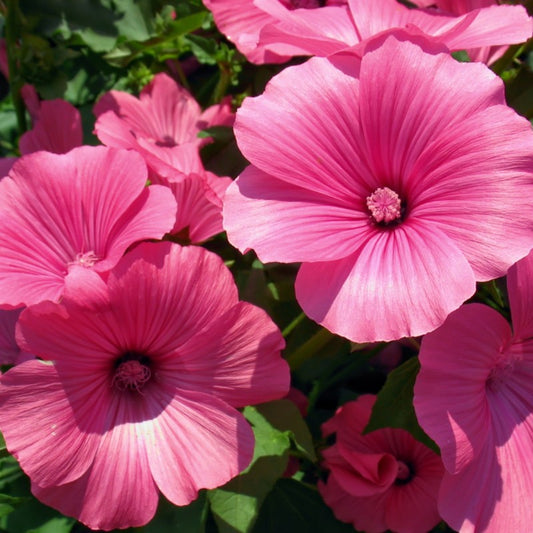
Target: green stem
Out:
[290,328]
[222,85]
[309,348]
[12,33]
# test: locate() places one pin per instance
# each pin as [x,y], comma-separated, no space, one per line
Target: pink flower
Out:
[396,184]
[162,124]
[273,31]
[57,128]
[381,480]
[64,218]
[142,392]
[474,397]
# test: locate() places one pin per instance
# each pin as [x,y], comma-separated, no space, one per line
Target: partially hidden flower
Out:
[56,128]
[381,480]
[275,30]
[162,124]
[486,54]
[397,185]
[138,387]
[65,218]
[474,397]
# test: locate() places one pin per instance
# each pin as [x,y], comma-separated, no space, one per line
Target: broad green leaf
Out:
[55,525]
[235,506]
[285,417]
[293,507]
[394,404]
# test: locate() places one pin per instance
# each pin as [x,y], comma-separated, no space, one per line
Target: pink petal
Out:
[291,223]
[169,307]
[475,175]
[5,165]
[361,512]
[401,283]
[10,352]
[41,427]
[458,357]
[325,156]
[320,31]
[186,423]
[118,491]
[398,123]
[58,129]
[243,366]
[241,21]
[520,289]
[362,474]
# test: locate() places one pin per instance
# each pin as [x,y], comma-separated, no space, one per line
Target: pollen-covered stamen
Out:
[131,373]
[405,473]
[87,259]
[385,206]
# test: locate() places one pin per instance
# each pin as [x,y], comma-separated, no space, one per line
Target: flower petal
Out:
[402,282]
[450,398]
[190,422]
[288,223]
[236,359]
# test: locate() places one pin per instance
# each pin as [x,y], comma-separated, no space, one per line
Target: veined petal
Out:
[450,390]
[403,108]
[289,223]
[194,425]
[236,359]
[106,497]
[41,427]
[325,156]
[402,282]
[159,295]
[477,175]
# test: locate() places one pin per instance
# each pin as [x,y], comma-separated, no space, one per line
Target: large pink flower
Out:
[162,124]
[382,480]
[65,217]
[474,397]
[142,391]
[398,184]
[272,30]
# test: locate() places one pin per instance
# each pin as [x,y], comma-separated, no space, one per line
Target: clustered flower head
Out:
[394,175]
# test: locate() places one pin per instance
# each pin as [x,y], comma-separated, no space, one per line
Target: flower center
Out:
[87,259]
[385,206]
[302,4]
[132,372]
[405,473]
[501,371]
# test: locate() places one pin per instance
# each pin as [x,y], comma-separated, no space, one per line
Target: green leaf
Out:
[55,525]
[285,417]
[235,506]
[190,519]
[293,507]
[394,404]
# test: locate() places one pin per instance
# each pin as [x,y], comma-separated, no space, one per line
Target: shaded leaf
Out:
[236,505]
[293,507]
[394,404]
